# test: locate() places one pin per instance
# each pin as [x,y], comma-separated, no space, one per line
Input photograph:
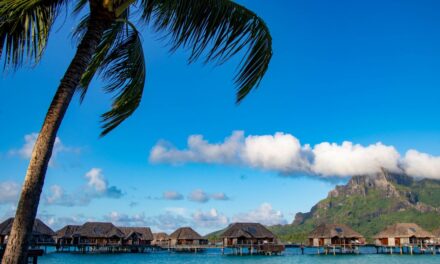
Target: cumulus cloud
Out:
[172,195]
[96,187]
[96,180]
[421,164]
[9,192]
[285,154]
[199,150]
[198,196]
[281,152]
[25,151]
[264,214]
[210,219]
[349,159]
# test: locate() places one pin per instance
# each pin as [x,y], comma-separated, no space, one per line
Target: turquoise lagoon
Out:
[291,256]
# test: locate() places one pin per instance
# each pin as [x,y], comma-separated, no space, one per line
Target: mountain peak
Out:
[369,203]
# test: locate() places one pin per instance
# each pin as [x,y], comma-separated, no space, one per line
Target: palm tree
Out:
[110,45]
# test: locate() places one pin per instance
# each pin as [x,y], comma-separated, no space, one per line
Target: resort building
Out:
[186,236]
[335,235]
[66,235]
[403,234]
[137,236]
[247,234]
[99,234]
[161,240]
[41,233]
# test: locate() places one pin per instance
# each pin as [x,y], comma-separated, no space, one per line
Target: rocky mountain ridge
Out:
[371,202]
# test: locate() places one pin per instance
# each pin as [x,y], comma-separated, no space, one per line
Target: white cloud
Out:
[199,150]
[96,180]
[281,152]
[210,219]
[172,195]
[198,196]
[96,187]
[421,164]
[348,159]
[264,214]
[285,154]
[9,192]
[25,151]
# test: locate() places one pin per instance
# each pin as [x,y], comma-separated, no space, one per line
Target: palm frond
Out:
[218,29]
[124,69]
[119,60]
[110,39]
[24,29]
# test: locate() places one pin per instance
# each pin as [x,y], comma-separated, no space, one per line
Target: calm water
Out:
[291,256]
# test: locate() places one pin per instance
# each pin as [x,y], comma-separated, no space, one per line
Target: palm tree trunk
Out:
[18,241]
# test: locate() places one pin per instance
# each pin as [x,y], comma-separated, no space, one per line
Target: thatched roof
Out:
[99,229]
[247,230]
[185,233]
[68,231]
[39,228]
[404,230]
[161,236]
[144,232]
[334,230]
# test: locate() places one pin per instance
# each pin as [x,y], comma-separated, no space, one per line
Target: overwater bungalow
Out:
[186,236]
[99,234]
[332,235]
[247,234]
[141,236]
[252,236]
[41,233]
[161,240]
[66,236]
[404,234]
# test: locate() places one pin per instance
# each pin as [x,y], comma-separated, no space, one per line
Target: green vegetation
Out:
[371,211]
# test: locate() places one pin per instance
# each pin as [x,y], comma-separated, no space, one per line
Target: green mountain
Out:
[370,203]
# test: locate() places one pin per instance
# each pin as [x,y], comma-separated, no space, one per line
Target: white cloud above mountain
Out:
[285,154]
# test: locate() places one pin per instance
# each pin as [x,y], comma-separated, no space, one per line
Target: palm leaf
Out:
[110,38]
[119,60]
[124,69]
[24,29]
[218,29]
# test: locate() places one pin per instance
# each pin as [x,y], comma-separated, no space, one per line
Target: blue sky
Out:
[363,72]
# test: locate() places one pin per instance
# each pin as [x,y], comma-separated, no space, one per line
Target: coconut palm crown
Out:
[110,46]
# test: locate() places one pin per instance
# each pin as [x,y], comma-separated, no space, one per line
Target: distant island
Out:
[369,204]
